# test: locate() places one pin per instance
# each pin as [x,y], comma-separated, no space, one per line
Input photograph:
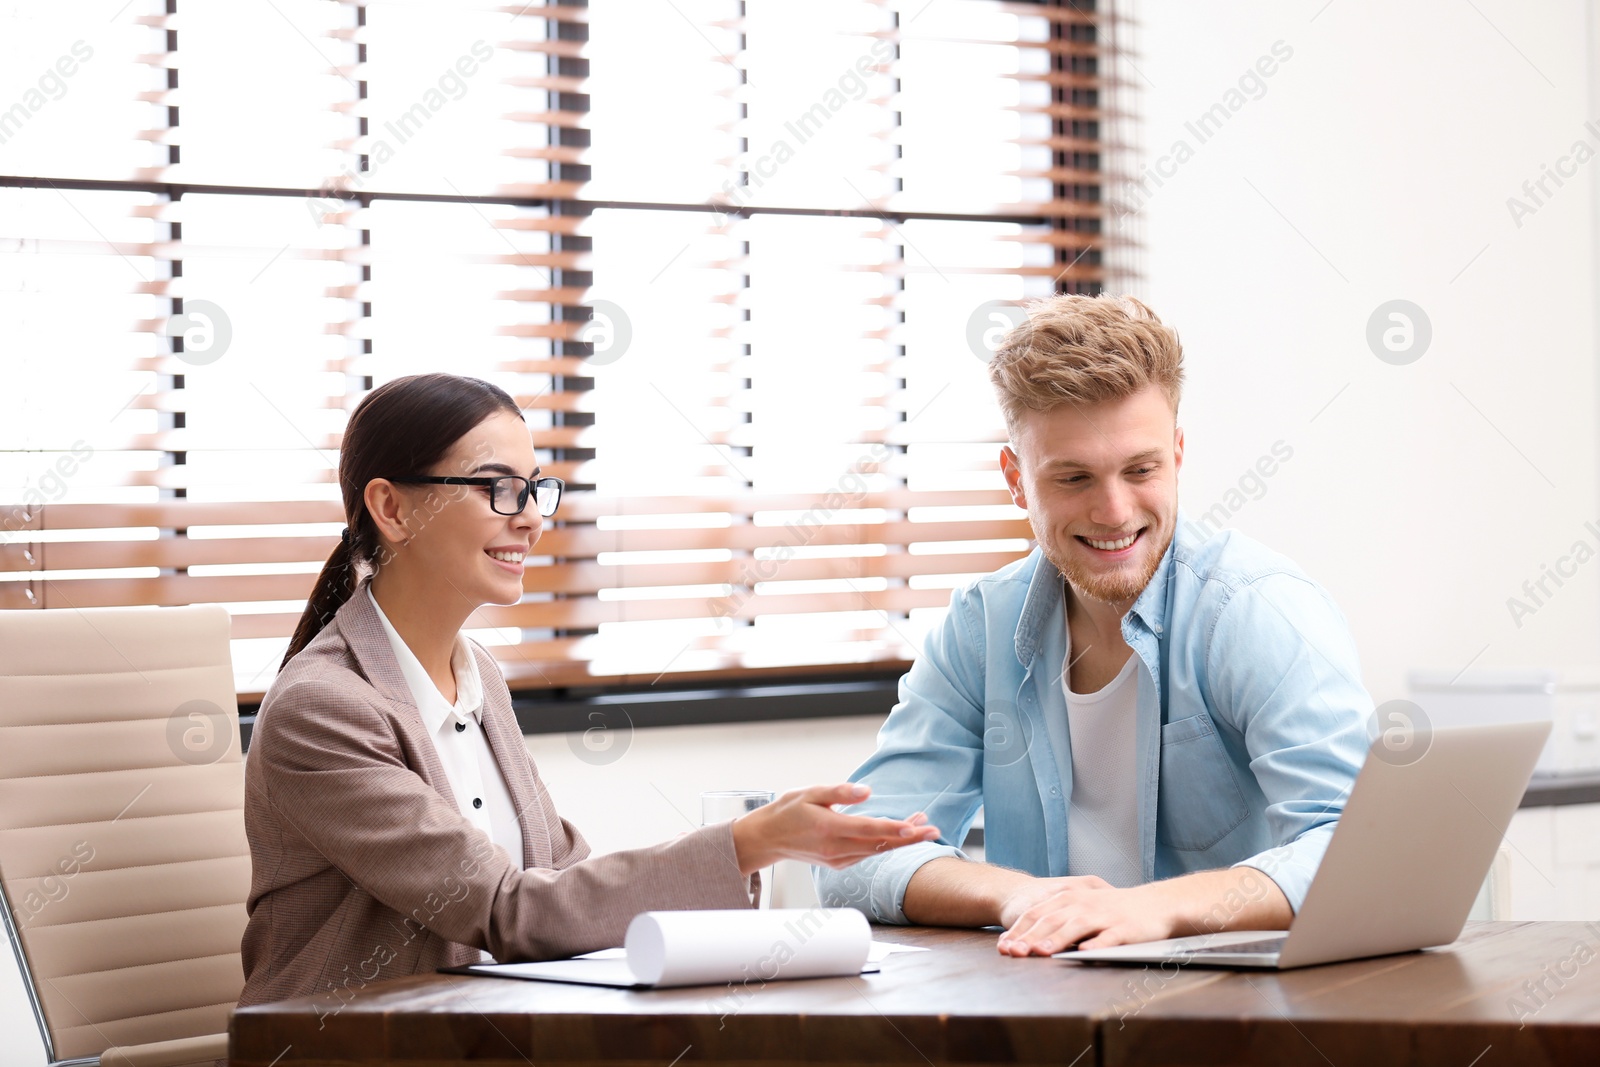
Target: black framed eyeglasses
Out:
[508,493]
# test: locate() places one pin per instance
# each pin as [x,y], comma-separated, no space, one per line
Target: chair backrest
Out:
[123,857]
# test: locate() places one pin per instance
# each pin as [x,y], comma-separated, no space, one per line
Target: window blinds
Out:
[740,262]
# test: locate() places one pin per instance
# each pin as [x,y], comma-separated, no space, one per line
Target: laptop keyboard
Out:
[1268,944]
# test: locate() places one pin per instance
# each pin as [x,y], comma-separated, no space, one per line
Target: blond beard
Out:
[1115,588]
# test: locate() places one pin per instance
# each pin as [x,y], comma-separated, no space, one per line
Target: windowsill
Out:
[769,700]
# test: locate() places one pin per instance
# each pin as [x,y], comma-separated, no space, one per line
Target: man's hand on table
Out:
[1048,917]
[1043,916]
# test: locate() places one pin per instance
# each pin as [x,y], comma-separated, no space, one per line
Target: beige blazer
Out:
[364,869]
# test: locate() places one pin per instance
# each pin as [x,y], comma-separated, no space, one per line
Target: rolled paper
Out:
[678,948]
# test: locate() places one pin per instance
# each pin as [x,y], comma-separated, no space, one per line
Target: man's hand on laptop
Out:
[1047,916]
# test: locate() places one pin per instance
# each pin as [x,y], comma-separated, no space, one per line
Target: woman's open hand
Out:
[802,825]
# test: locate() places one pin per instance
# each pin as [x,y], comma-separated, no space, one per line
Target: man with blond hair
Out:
[1159,729]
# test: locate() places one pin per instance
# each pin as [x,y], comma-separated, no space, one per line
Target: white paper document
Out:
[664,949]
[882,950]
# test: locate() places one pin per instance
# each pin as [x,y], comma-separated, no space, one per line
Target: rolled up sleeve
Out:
[929,759]
[1284,671]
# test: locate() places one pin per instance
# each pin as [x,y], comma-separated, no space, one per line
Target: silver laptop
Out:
[1403,867]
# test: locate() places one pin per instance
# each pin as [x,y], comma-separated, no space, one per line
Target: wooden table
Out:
[1467,1004]
[965,1004]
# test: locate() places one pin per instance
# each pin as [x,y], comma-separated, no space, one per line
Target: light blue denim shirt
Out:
[1245,758]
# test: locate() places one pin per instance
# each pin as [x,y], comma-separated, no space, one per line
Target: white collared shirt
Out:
[458,737]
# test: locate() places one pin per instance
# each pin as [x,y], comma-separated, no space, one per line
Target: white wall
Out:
[1376,166]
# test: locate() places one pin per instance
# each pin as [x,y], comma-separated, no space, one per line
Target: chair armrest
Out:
[181,1052]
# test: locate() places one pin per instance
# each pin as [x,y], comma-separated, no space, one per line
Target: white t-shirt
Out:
[1103,811]
[457,732]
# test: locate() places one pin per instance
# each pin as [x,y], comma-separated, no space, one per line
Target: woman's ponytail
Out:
[335,585]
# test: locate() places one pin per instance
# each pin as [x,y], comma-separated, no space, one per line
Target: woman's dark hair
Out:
[402,427]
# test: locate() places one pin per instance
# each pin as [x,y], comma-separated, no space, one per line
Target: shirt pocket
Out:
[1199,802]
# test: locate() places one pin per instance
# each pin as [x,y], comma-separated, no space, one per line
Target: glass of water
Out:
[721,805]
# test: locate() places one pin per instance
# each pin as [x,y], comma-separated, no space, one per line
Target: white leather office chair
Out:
[123,861]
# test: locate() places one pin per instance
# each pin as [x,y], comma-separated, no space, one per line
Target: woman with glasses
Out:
[396,821]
